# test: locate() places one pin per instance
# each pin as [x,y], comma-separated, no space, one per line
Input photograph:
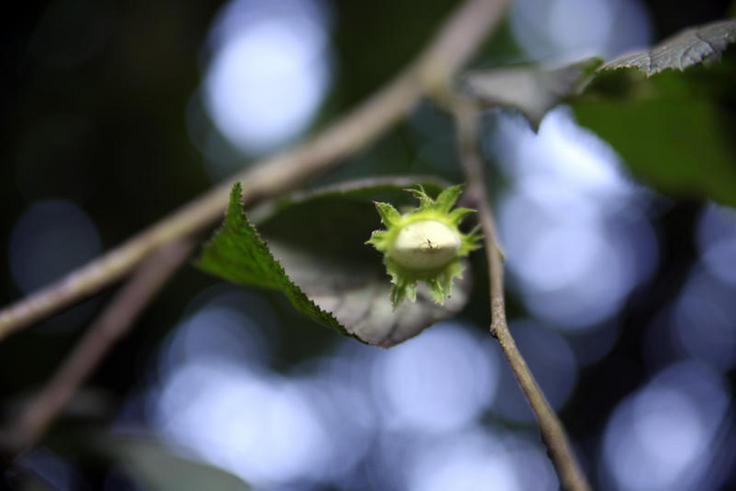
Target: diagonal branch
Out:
[553,433]
[114,322]
[455,42]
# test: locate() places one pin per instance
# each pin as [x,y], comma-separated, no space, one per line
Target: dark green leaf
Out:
[313,250]
[679,147]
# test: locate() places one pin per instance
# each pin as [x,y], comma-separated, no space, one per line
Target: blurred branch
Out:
[115,321]
[467,118]
[455,42]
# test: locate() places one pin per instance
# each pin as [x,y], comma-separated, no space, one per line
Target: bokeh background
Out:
[622,300]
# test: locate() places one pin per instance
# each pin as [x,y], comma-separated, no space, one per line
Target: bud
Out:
[424,244]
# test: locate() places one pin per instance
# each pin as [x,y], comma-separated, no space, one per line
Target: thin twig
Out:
[455,42]
[115,321]
[550,426]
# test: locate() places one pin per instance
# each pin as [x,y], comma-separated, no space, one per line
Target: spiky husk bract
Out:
[406,274]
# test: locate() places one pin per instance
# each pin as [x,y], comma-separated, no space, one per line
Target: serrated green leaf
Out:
[312,246]
[238,254]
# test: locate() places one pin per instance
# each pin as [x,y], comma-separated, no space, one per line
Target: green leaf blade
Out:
[238,254]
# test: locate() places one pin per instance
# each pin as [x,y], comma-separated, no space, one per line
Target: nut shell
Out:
[425,245]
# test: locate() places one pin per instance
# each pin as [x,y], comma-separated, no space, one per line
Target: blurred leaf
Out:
[157,468]
[532,90]
[669,112]
[690,47]
[313,250]
[678,147]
